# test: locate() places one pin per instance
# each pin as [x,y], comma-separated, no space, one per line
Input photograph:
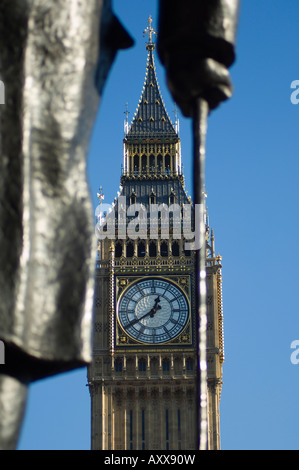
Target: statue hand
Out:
[189,78]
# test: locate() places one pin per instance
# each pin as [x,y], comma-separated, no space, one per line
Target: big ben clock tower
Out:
[143,379]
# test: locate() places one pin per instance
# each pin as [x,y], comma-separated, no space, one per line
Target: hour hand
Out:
[154,310]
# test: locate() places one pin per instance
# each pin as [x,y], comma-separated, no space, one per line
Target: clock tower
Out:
[143,379]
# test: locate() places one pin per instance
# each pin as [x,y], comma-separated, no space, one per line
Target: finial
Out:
[126,112]
[100,195]
[176,122]
[207,216]
[151,32]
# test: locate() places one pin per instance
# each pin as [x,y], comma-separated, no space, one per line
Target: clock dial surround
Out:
[153,311]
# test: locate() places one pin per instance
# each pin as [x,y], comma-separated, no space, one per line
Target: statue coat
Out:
[55,57]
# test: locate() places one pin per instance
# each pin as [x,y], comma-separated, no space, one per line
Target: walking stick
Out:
[200,118]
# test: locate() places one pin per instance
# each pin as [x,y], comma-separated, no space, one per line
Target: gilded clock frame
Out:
[183,339]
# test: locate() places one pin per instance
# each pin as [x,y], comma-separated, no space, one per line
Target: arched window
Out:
[144,163]
[130,250]
[142,365]
[152,163]
[133,198]
[167,164]
[159,163]
[152,249]
[118,250]
[152,198]
[141,250]
[171,198]
[164,249]
[136,164]
[118,365]
[175,249]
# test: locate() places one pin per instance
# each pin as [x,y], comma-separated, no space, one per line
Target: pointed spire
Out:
[151,118]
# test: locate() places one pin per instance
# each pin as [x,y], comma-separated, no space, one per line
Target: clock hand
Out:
[132,323]
[154,310]
[151,313]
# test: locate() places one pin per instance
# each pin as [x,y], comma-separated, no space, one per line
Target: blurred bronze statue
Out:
[54,61]
[196,44]
[55,57]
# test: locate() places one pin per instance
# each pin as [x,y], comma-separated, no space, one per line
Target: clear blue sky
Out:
[253,198]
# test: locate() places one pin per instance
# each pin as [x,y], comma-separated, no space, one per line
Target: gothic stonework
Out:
[143,379]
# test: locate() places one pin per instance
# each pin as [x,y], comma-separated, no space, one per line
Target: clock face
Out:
[153,311]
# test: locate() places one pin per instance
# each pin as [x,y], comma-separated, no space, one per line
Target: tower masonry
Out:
[143,379]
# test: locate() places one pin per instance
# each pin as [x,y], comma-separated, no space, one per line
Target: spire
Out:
[151,145]
[151,119]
